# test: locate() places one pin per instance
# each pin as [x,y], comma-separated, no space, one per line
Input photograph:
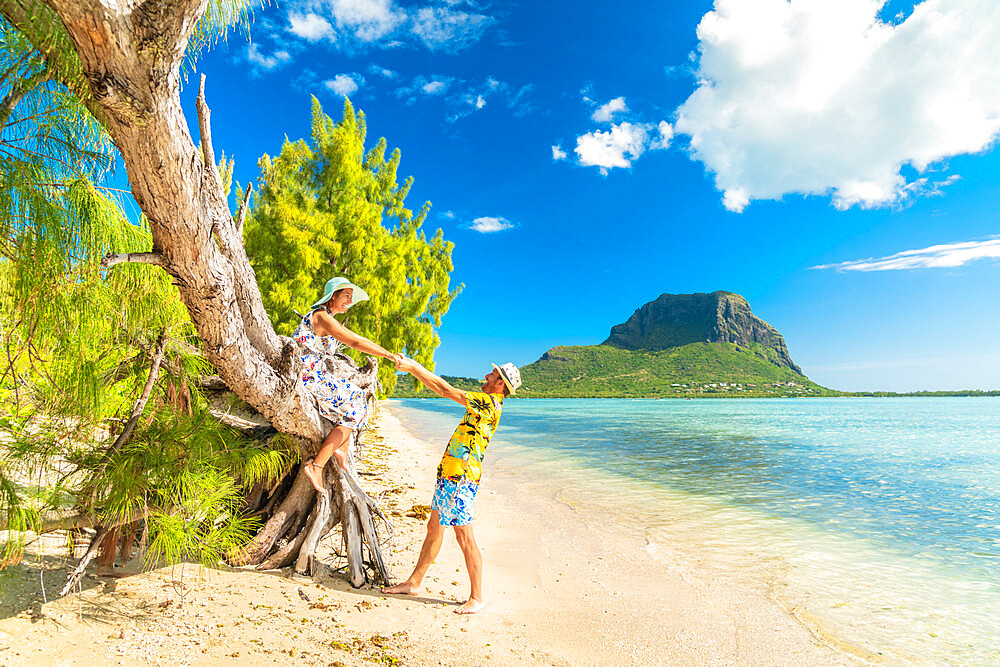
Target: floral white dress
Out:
[339,400]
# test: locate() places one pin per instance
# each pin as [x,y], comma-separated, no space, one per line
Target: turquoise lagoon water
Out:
[876,521]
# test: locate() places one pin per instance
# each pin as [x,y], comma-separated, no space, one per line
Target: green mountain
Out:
[676,345]
[676,320]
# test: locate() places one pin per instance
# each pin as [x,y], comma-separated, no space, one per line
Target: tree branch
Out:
[205,129]
[154,258]
[77,574]
[137,408]
[140,404]
[18,91]
[241,216]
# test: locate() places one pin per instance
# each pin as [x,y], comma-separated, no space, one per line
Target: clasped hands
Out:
[402,363]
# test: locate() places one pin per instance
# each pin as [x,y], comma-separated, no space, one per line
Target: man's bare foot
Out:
[471,606]
[405,588]
[315,475]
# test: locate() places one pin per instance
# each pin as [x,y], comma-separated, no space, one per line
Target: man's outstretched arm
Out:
[431,381]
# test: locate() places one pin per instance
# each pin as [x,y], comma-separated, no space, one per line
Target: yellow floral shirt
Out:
[464,454]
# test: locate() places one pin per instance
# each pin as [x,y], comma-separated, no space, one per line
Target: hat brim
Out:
[357,296]
[504,378]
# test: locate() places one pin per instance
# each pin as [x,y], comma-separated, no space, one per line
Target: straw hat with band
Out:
[510,376]
[339,283]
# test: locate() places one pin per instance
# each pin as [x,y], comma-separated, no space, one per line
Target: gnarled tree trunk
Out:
[130,54]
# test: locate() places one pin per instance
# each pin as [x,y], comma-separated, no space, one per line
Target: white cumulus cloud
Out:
[823,97]
[310,27]
[344,84]
[620,145]
[947,255]
[488,225]
[606,112]
[558,153]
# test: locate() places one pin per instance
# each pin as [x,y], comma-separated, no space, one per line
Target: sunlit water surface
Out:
[876,520]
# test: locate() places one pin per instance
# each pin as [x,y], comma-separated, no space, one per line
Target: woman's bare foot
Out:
[471,606]
[405,588]
[315,475]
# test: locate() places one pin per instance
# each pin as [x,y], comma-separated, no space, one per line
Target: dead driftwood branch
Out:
[74,577]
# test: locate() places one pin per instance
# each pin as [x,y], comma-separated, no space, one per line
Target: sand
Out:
[562,589]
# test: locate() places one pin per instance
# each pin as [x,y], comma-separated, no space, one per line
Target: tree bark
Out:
[128,74]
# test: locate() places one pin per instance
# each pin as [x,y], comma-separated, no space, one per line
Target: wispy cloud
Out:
[826,98]
[463,98]
[384,72]
[436,87]
[260,61]
[354,25]
[367,20]
[518,101]
[948,255]
[423,86]
[558,153]
[490,225]
[444,29]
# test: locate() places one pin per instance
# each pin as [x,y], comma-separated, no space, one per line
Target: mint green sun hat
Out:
[333,284]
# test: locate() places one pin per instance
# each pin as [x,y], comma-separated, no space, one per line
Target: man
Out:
[458,474]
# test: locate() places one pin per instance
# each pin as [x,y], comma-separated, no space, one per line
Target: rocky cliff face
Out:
[679,319]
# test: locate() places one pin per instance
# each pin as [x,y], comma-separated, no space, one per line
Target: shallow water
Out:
[878,520]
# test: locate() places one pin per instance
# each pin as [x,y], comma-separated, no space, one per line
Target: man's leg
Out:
[474,563]
[428,552]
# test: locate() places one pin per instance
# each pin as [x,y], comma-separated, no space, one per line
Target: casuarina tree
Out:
[326,207]
[123,62]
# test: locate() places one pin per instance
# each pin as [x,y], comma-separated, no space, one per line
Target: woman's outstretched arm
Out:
[326,325]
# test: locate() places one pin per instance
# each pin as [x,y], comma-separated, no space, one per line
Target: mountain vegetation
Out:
[695,369]
[678,345]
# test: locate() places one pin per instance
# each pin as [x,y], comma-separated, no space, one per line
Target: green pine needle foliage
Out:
[326,207]
[76,340]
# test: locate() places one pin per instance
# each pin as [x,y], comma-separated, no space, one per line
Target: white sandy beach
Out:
[560,592]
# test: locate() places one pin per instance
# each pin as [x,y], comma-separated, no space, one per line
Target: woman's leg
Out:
[335,444]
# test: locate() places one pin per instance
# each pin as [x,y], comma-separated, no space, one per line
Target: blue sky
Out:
[833,161]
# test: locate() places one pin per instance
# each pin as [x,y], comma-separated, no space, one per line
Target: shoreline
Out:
[559,592]
[975,393]
[595,578]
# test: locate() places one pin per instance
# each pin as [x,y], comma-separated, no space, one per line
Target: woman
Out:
[320,335]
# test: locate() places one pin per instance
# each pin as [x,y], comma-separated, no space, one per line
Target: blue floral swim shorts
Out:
[453,501]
